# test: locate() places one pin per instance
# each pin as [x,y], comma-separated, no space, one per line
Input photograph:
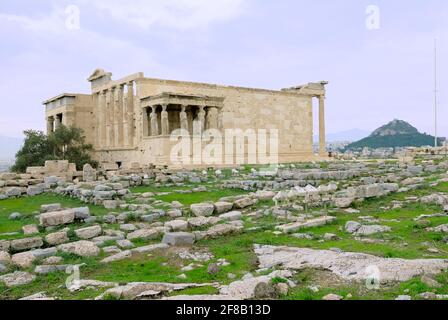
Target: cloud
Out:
[45,58]
[175,14]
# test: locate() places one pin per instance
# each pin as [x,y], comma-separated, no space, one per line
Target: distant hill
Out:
[9,147]
[397,133]
[348,135]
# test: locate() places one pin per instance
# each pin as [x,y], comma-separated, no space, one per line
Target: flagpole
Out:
[435,92]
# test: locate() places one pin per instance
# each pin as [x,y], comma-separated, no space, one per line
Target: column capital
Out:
[322,140]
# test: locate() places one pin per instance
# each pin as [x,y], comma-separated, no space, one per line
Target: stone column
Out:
[50,123]
[183,118]
[116,116]
[201,118]
[154,124]
[164,120]
[119,117]
[145,117]
[57,122]
[111,141]
[212,118]
[103,118]
[322,141]
[130,114]
[96,114]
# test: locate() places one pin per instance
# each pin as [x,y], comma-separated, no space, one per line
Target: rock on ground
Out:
[245,288]
[89,232]
[231,216]
[177,225]
[56,238]
[17,278]
[26,243]
[178,238]
[50,207]
[222,207]
[347,265]
[81,248]
[117,257]
[293,227]
[23,260]
[30,229]
[244,202]
[40,296]
[132,290]
[146,234]
[57,218]
[202,209]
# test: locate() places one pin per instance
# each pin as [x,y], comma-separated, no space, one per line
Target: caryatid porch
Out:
[194,114]
[169,115]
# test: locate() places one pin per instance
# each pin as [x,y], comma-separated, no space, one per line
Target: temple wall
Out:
[76,111]
[112,117]
[246,108]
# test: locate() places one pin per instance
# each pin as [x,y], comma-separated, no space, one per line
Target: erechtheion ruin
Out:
[132,121]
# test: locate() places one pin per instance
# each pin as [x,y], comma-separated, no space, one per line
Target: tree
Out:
[65,143]
[35,151]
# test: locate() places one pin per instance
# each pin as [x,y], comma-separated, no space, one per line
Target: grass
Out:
[358,291]
[28,206]
[407,240]
[188,199]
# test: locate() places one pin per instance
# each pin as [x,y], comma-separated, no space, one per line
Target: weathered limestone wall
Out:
[117,121]
[244,108]
[76,110]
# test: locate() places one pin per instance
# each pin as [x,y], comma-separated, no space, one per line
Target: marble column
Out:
[212,118]
[201,118]
[119,117]
[57,122]
[183,118]
[146,121]
[96,114]
[322,141]
[164,120]
[111,141]
[50,123]
[130,114]
[116,116]
[154,124]
[103,118]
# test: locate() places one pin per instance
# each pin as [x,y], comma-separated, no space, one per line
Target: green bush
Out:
[65,143]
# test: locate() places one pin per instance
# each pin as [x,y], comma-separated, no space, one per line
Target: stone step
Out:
[293,227]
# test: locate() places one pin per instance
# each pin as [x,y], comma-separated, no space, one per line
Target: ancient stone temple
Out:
[137,121]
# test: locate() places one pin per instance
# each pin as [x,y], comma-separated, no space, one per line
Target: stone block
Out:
[89,232]
[178,238]
[202,209]
[26,244]
[57,218]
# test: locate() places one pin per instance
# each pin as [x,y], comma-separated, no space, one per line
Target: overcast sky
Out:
[378,69]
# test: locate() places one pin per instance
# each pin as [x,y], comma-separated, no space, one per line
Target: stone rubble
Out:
[347,265]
